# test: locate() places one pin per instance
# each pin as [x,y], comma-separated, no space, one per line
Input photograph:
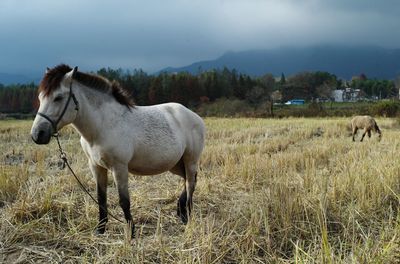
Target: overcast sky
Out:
[153,34]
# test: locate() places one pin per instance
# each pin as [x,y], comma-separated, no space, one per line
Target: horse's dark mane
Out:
[54,76]
[102,84]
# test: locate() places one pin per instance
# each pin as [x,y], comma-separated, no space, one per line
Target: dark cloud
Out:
[154,34]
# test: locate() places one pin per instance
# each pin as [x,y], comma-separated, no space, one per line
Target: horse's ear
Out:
[47,70]
[74,71]
[71,73]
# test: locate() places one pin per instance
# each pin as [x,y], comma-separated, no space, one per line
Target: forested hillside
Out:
[194,90]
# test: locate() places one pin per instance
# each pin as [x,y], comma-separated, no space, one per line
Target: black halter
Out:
[55,123]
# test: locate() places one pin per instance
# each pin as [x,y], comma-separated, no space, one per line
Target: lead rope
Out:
[63,156]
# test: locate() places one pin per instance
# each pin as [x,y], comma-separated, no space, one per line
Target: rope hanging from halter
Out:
[63,156]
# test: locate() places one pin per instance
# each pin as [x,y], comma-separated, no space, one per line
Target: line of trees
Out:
[194,90]
[375,88]
[19,98]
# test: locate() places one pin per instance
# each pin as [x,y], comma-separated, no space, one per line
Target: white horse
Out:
[119,136]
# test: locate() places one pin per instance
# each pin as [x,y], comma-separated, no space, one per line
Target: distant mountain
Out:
[7,78]
[343,61]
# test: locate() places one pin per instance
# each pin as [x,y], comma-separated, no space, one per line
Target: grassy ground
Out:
[269,191]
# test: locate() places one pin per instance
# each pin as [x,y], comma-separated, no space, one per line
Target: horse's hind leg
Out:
[369,133]
[121,178]
[179,169]
[185,201]
[181,207]
[101,183]
[354,132]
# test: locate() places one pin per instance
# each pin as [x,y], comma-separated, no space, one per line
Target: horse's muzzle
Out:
[42,135]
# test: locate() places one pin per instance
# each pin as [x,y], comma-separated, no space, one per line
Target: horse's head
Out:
[379,136]
[58,105]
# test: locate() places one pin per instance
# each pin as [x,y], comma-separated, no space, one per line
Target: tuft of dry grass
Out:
[269,191]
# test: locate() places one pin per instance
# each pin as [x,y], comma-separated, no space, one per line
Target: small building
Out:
[295,102]
[348,95]
[337,95]
[352,95]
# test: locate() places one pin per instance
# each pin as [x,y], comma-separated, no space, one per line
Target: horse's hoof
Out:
[183,215]
[181,212]
[99,232]
[184,219]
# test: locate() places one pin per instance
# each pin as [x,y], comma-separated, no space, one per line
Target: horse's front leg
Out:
[120,174]
[363,135]
[100,174]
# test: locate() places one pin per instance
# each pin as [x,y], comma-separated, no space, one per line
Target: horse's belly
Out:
[150,167]
[146,171]
[154,162]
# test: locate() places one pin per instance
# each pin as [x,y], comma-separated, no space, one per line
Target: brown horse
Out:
[367,123]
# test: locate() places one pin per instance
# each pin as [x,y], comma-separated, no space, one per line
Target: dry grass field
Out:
[269,191]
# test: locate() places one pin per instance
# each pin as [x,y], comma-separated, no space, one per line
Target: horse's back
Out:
[363,121]
[184,120]
[184,116]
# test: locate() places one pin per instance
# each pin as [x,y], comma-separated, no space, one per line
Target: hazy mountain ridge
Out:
[345,62]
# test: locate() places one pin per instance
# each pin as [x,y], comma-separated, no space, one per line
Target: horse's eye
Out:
[58,98]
